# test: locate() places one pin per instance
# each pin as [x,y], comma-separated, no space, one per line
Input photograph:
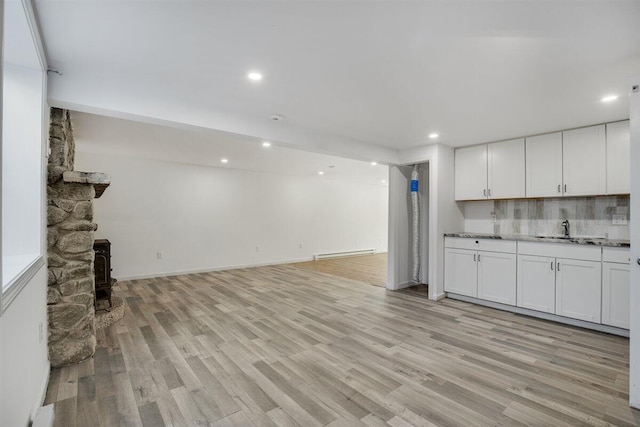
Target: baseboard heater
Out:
[344,254]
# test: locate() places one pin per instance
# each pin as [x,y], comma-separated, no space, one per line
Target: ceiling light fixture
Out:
[254,76]
[266,144]
[433,135]
[374,163]
[609,98]
[320,173]
[224,160]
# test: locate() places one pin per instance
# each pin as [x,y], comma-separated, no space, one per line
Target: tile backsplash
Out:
[588,216]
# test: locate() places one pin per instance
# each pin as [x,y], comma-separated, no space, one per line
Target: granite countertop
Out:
[597,241]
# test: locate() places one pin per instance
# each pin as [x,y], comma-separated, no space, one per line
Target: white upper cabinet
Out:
[490,171]
[618,163]
[505,172]
[471,173]
[544,165]
[584,161]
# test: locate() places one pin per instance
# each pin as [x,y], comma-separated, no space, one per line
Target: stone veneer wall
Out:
[70,295]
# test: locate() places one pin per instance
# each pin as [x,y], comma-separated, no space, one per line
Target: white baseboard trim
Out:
[402,285]
[546,316]
[439,297]
[210,269]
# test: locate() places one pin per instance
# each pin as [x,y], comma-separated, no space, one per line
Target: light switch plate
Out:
[619,220]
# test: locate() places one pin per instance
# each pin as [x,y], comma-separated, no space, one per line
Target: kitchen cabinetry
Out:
[490,171]
[536,283]
[544,165]
[584,161]
[471,173]
[481,269]
[561,279]
[570,163]
[615,287]
[618,163]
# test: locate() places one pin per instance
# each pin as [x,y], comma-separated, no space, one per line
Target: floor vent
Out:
[344,254]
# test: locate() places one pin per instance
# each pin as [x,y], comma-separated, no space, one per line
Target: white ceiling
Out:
[357,78]
[99,135]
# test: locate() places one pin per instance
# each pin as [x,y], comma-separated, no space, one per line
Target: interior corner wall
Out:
[166,218]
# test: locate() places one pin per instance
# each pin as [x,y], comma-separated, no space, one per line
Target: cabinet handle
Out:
[559,188]
[484,192]
[565,188]
[552,265]
[478,257]
[638,261]
[474,257]
[558,267]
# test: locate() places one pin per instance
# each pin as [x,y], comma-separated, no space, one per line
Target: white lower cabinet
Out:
[486,274]
[578,289]
[497,277]
[537,283]
[615,287]
[461,272]
[583,282]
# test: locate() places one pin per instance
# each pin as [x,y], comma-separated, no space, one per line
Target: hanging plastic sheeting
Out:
[415,173]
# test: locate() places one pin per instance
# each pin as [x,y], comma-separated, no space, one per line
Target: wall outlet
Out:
[40,332]
[619,220]
[159,254]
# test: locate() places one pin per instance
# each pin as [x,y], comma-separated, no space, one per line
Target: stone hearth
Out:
[70,227]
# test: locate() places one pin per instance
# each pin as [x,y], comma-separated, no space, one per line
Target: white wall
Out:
[634,358]
[23,355]
[203,218]
[24,366]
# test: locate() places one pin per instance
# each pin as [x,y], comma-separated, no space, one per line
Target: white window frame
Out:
[13,288]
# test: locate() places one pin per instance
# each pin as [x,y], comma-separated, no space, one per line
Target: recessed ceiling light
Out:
[609,98]
[374,163]
[433,135]
[254,76]
[276,117]
[320,173]
[224,160]
[266,144]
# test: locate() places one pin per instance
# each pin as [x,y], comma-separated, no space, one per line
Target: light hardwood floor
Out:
[370,269]
[287,346]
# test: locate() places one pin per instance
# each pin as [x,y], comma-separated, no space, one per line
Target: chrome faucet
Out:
[565,227]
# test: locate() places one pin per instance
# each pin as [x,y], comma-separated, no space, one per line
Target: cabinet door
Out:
[505,171]
[579,289]
[471,173]
[584,154]
[536,283]
[460,274]
[497,277]
[544,165]
[615,294]
[618,163]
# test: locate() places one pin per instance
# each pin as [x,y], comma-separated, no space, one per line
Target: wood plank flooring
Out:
[370,269]
[288,346]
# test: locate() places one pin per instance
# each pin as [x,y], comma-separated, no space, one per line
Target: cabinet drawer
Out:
[612,254]
[489,245]
[561,250]
[493,245]
[460,243]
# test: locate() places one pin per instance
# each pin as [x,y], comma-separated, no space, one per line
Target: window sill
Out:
[13,288]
